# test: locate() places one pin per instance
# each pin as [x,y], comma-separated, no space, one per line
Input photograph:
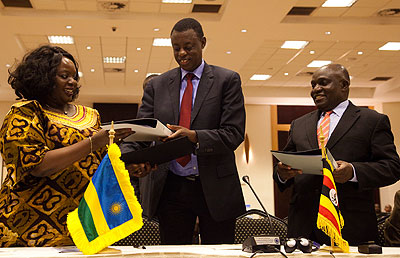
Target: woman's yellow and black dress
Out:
[33,210]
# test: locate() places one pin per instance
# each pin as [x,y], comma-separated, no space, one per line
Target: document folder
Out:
[310,162]
[161,152]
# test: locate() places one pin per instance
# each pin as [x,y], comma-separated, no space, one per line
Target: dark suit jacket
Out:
[218,116]
[362,137]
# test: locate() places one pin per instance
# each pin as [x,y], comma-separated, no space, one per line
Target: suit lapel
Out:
[311,128]
[205,84]
[174,85]
[350,116]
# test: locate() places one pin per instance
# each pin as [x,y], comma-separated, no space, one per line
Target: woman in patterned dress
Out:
[51,149]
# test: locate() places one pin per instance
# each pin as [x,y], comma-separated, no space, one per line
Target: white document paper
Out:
[310,162]
[146,129]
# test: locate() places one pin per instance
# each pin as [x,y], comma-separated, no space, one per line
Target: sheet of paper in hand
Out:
[146,129]
[310,162]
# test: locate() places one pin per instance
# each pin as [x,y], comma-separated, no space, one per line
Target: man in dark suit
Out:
[361,142]
[207,185]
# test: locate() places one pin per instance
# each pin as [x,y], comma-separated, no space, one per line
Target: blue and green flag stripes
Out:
[109,210]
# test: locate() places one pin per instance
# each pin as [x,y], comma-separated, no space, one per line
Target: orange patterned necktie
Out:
[324,128]
[186,110]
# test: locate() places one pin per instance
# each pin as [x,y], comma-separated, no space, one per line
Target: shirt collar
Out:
[197,72]
[339,109]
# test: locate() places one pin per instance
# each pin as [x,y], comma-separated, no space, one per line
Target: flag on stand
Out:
[330,220]
[109,209]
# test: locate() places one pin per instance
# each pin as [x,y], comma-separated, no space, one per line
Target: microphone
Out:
[266,243]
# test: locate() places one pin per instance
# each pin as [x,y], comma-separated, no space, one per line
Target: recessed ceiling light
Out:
[68,27]
[136,70]
[312,52]
[286,74]
[61,39]
[80,74]
[88,47]
[8,65]
[177,1]
[391,46]
[328,32]
[243,30]
[338,3]
[318,63]
[294,44]
[360,52]
[260,77]
[138,48]
[152,73]
[92,70]
[162,42]
[114,59]
[156,29]
[228,52]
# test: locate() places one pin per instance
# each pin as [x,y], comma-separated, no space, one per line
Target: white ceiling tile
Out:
[49,4]
[78,5]
[329,12]
[309,3]
[360,12]
[370,3]
[176,8]
[392,4]
[144,7]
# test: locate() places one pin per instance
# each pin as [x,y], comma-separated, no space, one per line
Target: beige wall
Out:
[259,168]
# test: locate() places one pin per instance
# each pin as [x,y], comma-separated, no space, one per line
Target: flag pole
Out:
[111,134]
[332,248]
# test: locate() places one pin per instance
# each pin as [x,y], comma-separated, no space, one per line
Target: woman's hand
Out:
[101,138]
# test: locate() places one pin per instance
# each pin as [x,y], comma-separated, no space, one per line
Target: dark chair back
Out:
[256,222]
[149,234]
[381,221]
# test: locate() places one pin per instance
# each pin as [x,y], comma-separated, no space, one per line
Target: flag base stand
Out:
[333,249]
[109,250]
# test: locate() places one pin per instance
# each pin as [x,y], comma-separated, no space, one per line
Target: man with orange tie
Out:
[360,140]
[206,104]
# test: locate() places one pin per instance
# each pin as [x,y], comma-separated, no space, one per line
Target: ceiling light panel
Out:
[162,42]
[61,39]
[338,3]
[294,44]
[260,77]
[391,46]
[114,60]
[319,63]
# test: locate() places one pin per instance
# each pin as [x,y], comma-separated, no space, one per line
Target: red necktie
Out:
[324,128]
[186,110]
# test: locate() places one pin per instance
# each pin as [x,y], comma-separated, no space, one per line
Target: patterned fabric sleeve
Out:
[22,138]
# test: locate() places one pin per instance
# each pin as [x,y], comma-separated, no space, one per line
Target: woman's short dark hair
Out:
[187,24]
[34,78]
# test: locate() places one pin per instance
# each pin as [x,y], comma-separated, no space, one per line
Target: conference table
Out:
[186,251]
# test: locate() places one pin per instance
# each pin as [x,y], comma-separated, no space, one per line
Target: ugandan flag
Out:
[329,220]
[109,209]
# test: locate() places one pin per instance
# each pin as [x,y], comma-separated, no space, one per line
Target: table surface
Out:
[187,251]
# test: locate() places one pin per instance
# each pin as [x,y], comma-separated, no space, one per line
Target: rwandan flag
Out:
[330,220]
[109,210]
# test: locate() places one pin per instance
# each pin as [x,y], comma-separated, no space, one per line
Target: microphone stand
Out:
[246,179]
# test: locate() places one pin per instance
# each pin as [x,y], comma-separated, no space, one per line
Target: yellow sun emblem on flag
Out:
[116,208]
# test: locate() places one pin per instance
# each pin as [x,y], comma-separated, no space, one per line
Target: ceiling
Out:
[364,27]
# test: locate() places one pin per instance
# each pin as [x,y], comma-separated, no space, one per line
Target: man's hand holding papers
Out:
[285,172]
